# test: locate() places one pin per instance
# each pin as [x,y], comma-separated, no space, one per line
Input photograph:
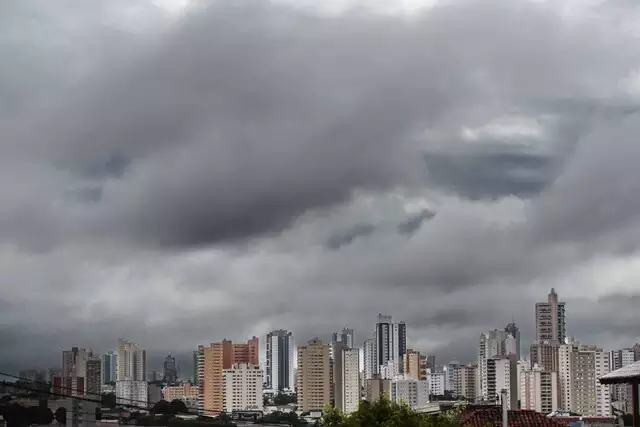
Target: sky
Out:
[178,172]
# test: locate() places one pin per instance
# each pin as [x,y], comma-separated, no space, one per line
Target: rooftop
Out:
[626,374]
[517,418]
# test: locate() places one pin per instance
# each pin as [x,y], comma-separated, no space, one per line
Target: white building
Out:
[350,379]
[490,344]
[279,367]
[579,367]
[389,370]
[129,392]
[502,375]
[436,382]
[242,387]
[414,393]
[131,362]
[370,359]
[538,390]
[452,376]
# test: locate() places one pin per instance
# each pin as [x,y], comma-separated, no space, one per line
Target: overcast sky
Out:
[179,173]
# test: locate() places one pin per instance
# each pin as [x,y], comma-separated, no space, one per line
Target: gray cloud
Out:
[242,136]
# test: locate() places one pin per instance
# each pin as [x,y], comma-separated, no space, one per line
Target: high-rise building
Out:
[370,359]
[414,393]
[336,359]
[170,371]
[466,386]
[502,375]
[550,320]
[376,387]
[580,367]
[109,367]
[452,376]
[350,380]
[131,362]
[279,367]
[490,344]
[414,365]
[212,361]
[313,376]
[545,355]
[390,341]
[539,390]
[436,382]
[242,387]
[431,362]
[94,376]
[132,392]
[345,337]
[512,330]
[194,360]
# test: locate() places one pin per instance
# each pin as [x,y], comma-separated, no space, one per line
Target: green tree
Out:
[161,407]
[177,406]
[384,413]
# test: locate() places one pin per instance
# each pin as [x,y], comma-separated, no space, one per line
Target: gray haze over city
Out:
[177,174]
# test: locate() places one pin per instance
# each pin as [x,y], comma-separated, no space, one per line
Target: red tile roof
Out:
[517,418]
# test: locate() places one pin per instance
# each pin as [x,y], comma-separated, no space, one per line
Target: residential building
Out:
[452,376]
[242,385]
[502,375]
[490,345]
[414,393]
[550,320]
[279,367]
[109,367]
[545,355]
[389,370]
[466,386]
[131,362]
[350,380]
[618,359]
[431,362]
[512,330]
[580,366]
[170,369]
[154,393]
[345,337]
[370,359]
[336,358]
[93,376]
[376,387]
[390,341]
[132,392]
[415,365]
[212,361]
[539,390]
[313,376]
[181,391]
[436,381]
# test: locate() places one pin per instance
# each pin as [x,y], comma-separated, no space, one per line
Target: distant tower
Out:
[512,330]
[550,320]
[279,372]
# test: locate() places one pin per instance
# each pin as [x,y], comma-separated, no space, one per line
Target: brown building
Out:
[214,359]
[375,387]
[466,384]
[545,354]
[313,376]
[94,376]
[415,365]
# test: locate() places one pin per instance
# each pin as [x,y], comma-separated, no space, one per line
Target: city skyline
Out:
[447,169]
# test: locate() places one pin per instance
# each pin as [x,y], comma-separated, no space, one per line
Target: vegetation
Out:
[384,413]
[175,407]
[286,418]
[284,399]
[18,415]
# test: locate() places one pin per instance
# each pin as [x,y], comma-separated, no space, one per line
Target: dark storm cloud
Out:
[338,240]
[246,116]
[414,222]
[490,174]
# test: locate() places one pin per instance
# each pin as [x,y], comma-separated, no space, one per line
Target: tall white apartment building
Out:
[350,379]
[414,393]
[389,370]
[130,392]
[579,367]
[618,359]
[502,375]
[538,389]
[242,387]
[370,359]
[436,382]
[490,345]
[131,362]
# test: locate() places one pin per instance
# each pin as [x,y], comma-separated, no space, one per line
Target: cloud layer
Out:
[258,166]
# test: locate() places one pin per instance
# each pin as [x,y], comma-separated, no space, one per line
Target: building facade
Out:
[279,364]
[170,369]
[414,365]
[414,393]
[313,376]
[132,392]
[350,380]
[376,387]
[345,337]
[242,385]
[539,390]
[370,359]
[109,367]
[550,320]
[131,362]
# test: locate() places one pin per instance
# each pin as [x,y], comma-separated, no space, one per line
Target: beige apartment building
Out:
[212,361]
[415,365]
[376,387]
[539,390]
[313,376]
[467,384]
[242,387]
[181,392]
